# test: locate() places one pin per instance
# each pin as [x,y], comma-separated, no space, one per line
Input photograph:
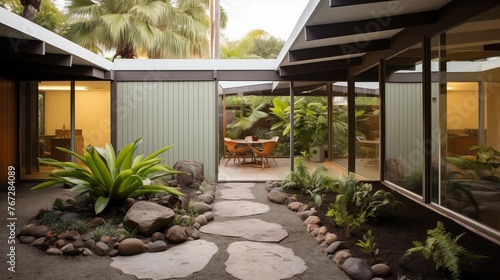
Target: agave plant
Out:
[108,178]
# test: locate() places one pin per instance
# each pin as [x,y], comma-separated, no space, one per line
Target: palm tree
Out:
[140,28]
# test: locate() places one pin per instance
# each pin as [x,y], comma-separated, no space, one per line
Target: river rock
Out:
[130,246]
[176,234]
[357,269]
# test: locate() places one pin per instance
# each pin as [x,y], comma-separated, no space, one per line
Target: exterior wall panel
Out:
[8,137]
[182,114]
[404,132]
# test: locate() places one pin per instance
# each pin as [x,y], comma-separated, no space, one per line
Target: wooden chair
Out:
[268,148]
[235,152]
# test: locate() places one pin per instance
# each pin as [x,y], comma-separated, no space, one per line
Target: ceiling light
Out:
[61,88]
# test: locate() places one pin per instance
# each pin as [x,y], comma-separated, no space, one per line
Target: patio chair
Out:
[369,151]
[235,152]
[266,152]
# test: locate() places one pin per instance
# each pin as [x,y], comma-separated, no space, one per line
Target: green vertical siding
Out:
[182,114]
[404,130]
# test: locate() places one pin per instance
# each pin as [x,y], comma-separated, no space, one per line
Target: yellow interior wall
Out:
[92,114]
[57,111]
[462,110]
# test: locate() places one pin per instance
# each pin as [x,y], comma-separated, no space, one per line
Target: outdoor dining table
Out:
[252,143]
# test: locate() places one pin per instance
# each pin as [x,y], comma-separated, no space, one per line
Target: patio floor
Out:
[234,172]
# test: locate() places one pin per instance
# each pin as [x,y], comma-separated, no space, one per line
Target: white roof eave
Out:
[193,64]
[25,29]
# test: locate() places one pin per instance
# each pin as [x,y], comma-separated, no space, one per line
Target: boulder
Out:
[277,196]
[357,269]
[192,172]
[148,218]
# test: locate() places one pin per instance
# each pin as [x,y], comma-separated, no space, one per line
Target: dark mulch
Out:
[394,235]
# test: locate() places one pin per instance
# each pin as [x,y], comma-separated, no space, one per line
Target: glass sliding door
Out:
[45,122]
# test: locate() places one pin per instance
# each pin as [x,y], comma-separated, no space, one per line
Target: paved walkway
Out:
[250,238]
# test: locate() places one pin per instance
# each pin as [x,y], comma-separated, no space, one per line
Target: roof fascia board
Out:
[27,30]
[338,50]
[348,28]
[309,10]
[319,66]
[344,3]
[193,64]
[454,13]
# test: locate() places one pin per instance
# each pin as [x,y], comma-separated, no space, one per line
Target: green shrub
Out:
[442,249]
[104,230]
[78,225]
[355,203]
[111,179]
[368,246]
[314,184]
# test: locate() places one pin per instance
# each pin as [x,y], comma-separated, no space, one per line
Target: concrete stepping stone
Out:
[179,261]
[239,208]
[251,229]
[237,194]
[255,260]
[239,185]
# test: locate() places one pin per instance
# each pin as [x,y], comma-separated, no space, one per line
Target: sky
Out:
[276,17]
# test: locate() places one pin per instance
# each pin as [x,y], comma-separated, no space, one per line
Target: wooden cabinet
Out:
[459,145]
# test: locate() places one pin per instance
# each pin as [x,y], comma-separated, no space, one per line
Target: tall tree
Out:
[140,28]
[30,8]
[255,44]
[48,17]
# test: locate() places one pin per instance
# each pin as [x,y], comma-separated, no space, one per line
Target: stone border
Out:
[328,242]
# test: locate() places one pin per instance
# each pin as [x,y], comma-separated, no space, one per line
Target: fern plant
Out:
[313,184]
[442,249]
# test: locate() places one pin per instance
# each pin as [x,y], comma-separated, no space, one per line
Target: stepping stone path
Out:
[251,229]
[252,260]
[179,261]
[256,260]
[259,257]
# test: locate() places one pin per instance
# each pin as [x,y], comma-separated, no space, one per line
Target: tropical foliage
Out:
[442,249]
[255,44]
[315,184]
[48,16]
[141,28]
[110,179]
[356,203]
[250,109]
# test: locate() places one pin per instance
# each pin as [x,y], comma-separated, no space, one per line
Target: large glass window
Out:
[467,59]
[46,122]
[404,121]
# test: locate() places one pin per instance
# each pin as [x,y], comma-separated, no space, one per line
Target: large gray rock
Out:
[148,218]
[193,172]
[277,196]
[357,269]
